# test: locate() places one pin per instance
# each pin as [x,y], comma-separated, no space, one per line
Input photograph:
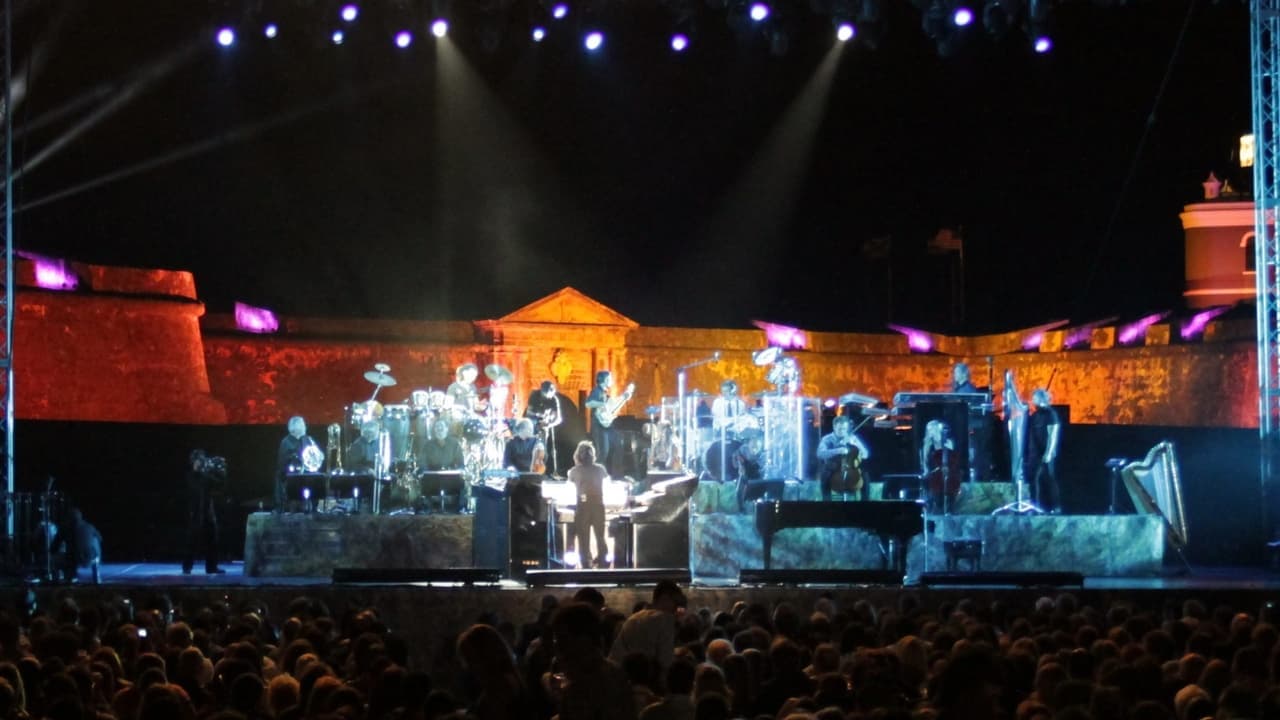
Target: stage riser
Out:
[1094,545]
[973,498]
[311,545]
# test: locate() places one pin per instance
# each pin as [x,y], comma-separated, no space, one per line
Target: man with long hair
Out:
[588,479]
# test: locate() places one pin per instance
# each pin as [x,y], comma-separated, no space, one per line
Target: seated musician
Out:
[442,451]
[525,450]
[463,390]
[728,407]
[841,453]
[362,456]
[289,455]
[940,466]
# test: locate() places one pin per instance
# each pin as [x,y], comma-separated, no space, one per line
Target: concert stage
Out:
[313,544]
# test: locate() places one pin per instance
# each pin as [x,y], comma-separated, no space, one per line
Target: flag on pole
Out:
[946,241]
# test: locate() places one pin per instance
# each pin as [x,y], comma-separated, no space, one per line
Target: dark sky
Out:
[366,181]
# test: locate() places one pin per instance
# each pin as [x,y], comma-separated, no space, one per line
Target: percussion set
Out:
[482,430]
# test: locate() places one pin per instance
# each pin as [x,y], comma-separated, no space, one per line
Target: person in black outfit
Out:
[1043,430]
[543,409]
[77,544]
[205,477]
[362,456]
[602,432]
[442,451]
[521,449]
[960,379]
[289,456]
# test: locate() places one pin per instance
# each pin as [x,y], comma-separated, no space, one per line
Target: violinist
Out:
[841,453]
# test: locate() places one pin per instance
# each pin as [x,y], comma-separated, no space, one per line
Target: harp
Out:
[1155,486]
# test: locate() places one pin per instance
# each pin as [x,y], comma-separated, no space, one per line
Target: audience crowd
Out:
[582,660]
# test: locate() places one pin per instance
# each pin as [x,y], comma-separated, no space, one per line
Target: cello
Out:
[848,479]
[940,464]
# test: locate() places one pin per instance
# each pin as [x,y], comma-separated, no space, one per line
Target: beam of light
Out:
[349,13]
[230,137]
[226,37]
[1134,330]
[67,109]
[679,42]
[759,12]
[783,336]
[1084,333]
[404,39]
[440,27]
[1034,336]
[1197,323]
[560,11]
[593,40]
[845,32]
[52,273]
[539,34]
[151,75]
[271,30]
[255,319]
[962,17]
[917,340]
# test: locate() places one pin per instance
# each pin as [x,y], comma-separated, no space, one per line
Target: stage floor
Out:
[170,575]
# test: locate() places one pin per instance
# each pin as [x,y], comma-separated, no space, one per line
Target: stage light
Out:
[679,42]
[404,39]
[271,30]
[539,34]
[440,27]
[349,13]
[759,11]
[845,32]
[337,37]
[1042,44]
[962,16]
[226,37]
[593,40]
[560,11]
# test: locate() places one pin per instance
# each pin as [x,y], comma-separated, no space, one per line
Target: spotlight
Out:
[539,34]
[845,32]
[349,13]
[759,11]
[679,42]
[404,39]
[962,16]
[271,30]
[1042,44]
[337,37]
[593,40]
[440,27]
[559,11]
[226,37]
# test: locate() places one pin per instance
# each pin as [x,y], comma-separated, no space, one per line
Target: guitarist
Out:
[543,409]
[841,454]
[604,409]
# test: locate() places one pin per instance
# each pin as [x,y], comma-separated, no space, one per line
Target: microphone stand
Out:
[681,373]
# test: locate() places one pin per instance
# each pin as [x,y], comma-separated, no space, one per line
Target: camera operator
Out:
[206,477]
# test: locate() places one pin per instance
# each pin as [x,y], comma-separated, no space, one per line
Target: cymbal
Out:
[382,367]
[498,374]
[766,356]
[379,378]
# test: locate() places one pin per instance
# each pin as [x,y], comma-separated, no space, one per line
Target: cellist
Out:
[842,453]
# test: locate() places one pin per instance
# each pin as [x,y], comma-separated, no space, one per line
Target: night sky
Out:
[728,184]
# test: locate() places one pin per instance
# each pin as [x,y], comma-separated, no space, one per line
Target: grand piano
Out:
[895,522]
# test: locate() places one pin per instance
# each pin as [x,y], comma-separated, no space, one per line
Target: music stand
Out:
[350,483]
[299,486]
[442,485]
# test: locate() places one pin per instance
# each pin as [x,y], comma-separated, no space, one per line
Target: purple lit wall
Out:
[52,273]
[255,319]
[783,336]
[1135,330]
[1197,323]
[917,340]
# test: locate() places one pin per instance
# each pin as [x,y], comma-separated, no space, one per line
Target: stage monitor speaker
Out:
[819,577]
[627,577]
[513,527]
[465,576]
[1052,578]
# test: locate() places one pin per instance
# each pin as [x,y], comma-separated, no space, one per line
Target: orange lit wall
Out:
[1215,234]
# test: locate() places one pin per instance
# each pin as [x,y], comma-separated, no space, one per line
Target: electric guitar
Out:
[609,411]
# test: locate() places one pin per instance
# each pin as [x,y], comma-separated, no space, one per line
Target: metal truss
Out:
[1264,32]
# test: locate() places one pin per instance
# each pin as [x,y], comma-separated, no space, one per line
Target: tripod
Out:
[1020,505]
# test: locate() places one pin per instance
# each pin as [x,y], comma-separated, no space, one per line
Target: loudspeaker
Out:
[509,528]
[1007,579]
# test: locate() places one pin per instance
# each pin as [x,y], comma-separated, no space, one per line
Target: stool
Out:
[963,549]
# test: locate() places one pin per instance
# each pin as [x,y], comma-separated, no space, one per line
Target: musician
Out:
[463,389]
[524,448]
[837,450]
[289,455]
[1043,431]
[939,466]
[603,436]
[960,379]
[727,408]
[544,409]
[588,478]
[362,456]
[205,477]
[442,451]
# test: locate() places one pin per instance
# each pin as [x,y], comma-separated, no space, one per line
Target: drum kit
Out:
[481,430]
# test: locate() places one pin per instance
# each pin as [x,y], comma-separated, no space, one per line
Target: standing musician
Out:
[728,407]
[289,455]
[525,452]
[442,451]
[206,476]
[604,409]
[543,409]
[588,478]
[1043,430]
[463,390]
[842,453]
[960,379]
[362,455]
[940,466]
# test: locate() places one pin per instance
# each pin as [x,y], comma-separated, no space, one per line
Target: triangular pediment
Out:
[568,307]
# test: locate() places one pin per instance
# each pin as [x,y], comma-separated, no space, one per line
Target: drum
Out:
[474,430]
[439,400]
[420,400]
[741,425]
[361,412]
[711,461]
[396,421]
